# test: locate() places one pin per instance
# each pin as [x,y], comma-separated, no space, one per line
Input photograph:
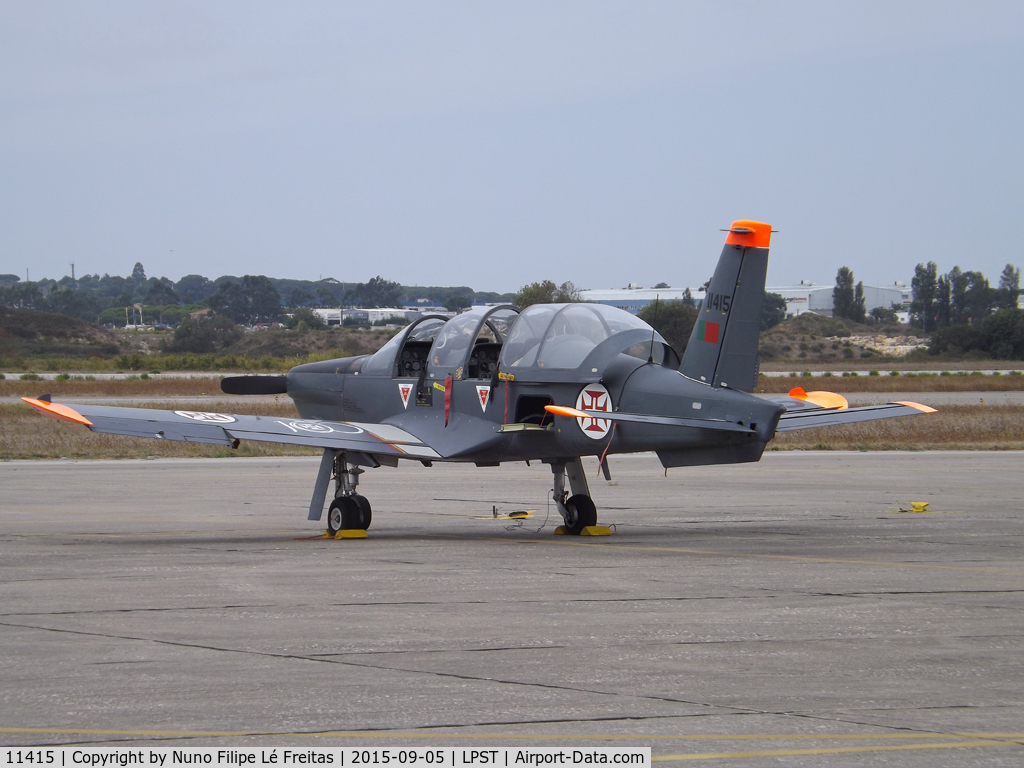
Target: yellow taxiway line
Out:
[927,740]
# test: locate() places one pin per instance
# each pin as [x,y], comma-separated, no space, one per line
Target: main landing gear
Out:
[348,511]
[577,510]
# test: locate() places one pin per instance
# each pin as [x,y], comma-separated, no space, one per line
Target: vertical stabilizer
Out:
[722,350]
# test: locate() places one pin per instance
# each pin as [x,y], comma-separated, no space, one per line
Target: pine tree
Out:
[843,295]
[1009,287]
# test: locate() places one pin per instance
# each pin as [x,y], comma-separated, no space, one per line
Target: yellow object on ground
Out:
[347,533]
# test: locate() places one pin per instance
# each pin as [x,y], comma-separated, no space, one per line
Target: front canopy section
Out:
[406,353]
[469,344]
[562,337]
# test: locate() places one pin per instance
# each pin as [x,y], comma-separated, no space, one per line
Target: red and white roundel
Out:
[594,397]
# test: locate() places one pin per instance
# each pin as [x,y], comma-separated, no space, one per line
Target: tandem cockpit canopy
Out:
[542,338]
[564,336]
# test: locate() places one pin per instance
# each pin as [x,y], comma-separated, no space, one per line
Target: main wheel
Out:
[365,512]
[344,514]
[582,513]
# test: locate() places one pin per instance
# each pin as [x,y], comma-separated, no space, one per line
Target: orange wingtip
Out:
[561,410]
[916,406]
[798,393]
[752,234]
[58,411]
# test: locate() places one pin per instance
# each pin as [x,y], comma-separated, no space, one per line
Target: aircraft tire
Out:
[585,513]
[365,512]
[345,513]
[336,516]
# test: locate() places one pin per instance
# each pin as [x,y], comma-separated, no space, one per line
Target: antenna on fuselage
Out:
[657,306]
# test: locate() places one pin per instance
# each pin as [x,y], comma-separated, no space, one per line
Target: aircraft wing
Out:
[227,429]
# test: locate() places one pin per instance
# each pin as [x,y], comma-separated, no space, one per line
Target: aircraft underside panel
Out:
[723,454]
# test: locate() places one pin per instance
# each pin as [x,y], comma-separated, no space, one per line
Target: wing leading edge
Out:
[228,428]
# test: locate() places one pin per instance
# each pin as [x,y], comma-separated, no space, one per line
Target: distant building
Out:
[330,316]
[634,298]
[804,297]
[396,315]
[809,297]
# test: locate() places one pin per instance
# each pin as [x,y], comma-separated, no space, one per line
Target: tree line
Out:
[962,313]
[248,299]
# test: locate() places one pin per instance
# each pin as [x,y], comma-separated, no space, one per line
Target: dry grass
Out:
[155,387]
[886,383]
[24,434]
[955,427]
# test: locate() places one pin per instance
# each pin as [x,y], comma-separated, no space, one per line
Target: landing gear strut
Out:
[349,510]
[577,510]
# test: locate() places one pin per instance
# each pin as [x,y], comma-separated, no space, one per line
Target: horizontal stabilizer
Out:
[813,418]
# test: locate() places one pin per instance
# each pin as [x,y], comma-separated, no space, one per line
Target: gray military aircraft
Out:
[552,383]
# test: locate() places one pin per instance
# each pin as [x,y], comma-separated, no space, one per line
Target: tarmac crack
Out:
[401,603]
[106,611]
[730,710]
[920,592]
[381,667]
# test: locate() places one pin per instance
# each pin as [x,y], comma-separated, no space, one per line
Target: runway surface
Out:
[781,613]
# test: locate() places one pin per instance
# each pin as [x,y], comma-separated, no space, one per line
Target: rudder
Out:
[722,350]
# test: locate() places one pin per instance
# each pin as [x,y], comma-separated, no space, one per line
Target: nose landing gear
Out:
[577,510]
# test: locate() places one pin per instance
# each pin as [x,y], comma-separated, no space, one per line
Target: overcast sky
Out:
[494,144]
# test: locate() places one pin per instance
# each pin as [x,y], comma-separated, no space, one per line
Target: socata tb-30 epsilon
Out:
[553,383]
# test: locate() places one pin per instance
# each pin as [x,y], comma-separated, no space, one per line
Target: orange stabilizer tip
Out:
[828,400]
[752,234]
[916,406]
[798,393]
[58,411]
[561,410]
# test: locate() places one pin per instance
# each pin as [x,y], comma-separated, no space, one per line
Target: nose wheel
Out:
[577,510]
[581,513]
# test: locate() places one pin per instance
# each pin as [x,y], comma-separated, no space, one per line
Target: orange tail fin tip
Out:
[752,234]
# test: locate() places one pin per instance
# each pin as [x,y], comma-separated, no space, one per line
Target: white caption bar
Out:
[347,757]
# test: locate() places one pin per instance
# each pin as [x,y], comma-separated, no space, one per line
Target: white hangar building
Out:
[804,297]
